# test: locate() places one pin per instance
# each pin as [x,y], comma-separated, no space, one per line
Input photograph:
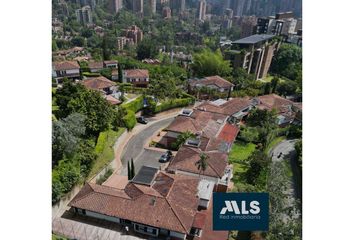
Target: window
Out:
[195,231]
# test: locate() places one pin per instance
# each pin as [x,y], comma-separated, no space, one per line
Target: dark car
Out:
[142,120]
[166,157]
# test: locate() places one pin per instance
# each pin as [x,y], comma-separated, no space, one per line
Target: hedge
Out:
[173,103]
[135,105]
[129,120]
[89,74]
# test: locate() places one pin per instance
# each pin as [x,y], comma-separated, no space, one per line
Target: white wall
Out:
[178,235]
[101,216]
[73,71]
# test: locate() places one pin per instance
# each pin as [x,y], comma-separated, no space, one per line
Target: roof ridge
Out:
[211,165]
[79,198]
[175,213]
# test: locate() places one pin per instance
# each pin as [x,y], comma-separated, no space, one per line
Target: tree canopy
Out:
[208,63]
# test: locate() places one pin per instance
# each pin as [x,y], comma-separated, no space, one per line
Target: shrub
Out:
[105,176]
[89,74]
[249,134]
[134,105]
[173,103]
[101,142]
[129,120]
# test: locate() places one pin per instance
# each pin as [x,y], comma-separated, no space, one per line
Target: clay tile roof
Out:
[273,101]
[218,81]
[186,158]
[229,108]
[228,133]
[98,83]
[112,100]
[199,220]
[173,209]
[136,73]
[66,65]
[110,62]
[95,65]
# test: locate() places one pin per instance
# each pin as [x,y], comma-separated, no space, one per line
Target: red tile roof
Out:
[228,133]
[199,220]
[203,122]
[186,158]
[112,100]
[136,73]
[98,83]
[273,101]
[66,65]
[98,65]
[170,203]
[212,80]
[229,108]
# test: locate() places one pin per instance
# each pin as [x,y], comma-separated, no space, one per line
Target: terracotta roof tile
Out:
[66,65]
[98,83]
[212,80]
[136,73]
[228,133]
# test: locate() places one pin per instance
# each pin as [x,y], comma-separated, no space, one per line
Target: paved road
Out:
[135,147]
[286,151]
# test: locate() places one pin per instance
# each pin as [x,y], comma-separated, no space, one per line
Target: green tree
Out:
[132,168]
[242,79]
[181,139]
[274,84]
[287,88]
[147,48]
[202,163]
[66,135]
[288,61]
[258,162]
[208,63]
[129,171]
[261,118]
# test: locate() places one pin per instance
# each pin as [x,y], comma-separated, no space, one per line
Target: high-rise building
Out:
[152,5]
[115,6]
[91,3]
[84,15]
[202,10]
[138,6]
[254,54]
[134,33]
[229,13]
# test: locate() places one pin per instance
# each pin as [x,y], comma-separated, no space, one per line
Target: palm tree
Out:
[202,163]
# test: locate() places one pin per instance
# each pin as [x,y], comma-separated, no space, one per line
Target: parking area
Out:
[148,157]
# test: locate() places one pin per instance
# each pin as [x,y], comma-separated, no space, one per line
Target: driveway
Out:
[135,147]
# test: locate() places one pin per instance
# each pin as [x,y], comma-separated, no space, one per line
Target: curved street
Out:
[135,147]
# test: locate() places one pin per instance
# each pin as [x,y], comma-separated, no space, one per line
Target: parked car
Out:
[166,157]
[142,120]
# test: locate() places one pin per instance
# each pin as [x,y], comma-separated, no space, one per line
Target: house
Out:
[98,66]
[137,77]
[115,75]
[110,64]
[95,66]
[286,109]
[154,203]
[235,108]
[101,84]
[68,69]
[212,82]
[218,170]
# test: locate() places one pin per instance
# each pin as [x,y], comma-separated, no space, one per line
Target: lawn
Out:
[269,78]
[239,153]
[104,149]
[273,143]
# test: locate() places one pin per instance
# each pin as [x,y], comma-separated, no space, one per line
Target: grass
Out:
[270,77]
[131,95]
[104,149]
[275,142]
[56,237]
[239,153]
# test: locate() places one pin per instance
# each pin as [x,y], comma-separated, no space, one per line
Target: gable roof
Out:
[174,208]
[273,101]
[228,133]
[98,83]
[92,65]
[207,123]
[136,73]
[187,157]
[65,65]
[212,80]
[228,108]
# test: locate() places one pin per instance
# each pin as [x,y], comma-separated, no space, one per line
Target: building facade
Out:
[84,15]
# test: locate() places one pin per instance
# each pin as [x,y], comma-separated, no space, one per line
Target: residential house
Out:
[68,69]
[212,82]
[154,203]
[100,84]
[235,108]
[110,64]
[137,77]
[95,66]
[287,110]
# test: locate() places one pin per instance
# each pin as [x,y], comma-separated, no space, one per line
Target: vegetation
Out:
[105,176]
[208,63]
[181,139]
[202,163]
